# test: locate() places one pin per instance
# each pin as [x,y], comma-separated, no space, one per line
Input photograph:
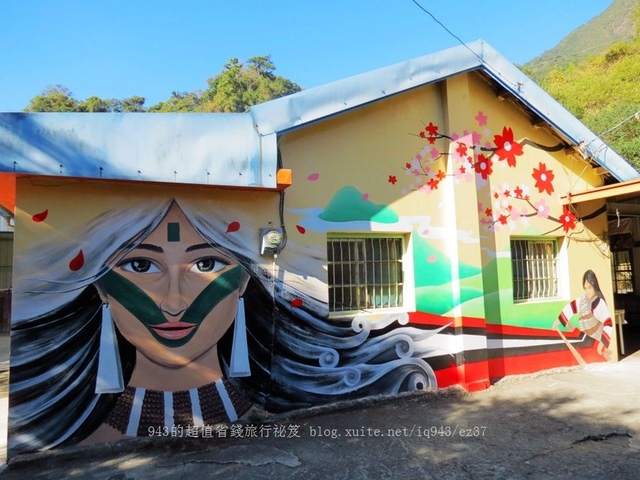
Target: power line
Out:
[629,118]
[446,29]
[482,60]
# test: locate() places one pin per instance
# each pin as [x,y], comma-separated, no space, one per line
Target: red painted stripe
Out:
[563,319]
[471,376]
[514,331]
[439,320]
[501,367]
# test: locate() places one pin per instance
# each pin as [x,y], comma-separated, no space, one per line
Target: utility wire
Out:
[629,118]
[447,30]
[482,60]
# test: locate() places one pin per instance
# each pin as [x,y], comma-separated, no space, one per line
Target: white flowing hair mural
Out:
[298,357]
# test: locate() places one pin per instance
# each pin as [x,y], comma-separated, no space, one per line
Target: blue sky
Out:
[117,48]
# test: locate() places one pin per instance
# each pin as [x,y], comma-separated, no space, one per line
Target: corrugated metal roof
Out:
[314,104]
[220,149]
[240,149]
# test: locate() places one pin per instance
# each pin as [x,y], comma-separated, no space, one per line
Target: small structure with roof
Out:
[419,226]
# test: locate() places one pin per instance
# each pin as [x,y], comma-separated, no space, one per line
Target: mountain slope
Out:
[615,24]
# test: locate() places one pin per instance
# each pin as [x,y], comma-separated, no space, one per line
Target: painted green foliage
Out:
[433,280]
[350,205]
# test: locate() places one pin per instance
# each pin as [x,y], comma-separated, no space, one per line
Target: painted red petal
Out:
[296,302]
[233,227]
[313,177]
[77,262]
[40,217]
[301,229]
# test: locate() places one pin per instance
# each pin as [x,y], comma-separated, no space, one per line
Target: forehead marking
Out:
[173,232]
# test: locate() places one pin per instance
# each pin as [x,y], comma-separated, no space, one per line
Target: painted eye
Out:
[207,265]
[139,265]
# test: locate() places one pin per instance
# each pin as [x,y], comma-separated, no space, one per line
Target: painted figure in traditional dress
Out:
[594,317]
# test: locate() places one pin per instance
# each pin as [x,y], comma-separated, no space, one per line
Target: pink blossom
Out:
[542,209]
[435,153]
[481,118]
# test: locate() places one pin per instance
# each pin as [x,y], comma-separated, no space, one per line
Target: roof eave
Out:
[309,106]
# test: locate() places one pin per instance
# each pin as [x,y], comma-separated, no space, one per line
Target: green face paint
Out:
[141,306]
[173,232]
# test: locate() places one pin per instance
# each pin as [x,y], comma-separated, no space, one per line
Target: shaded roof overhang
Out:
[207,149]
[618,191]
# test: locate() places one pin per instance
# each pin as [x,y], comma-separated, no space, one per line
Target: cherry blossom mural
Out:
[476,156]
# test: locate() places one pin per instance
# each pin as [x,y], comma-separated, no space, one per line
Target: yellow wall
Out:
[362,148]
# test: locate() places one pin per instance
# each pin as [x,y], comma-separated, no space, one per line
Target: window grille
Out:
[6,259]
[622,272]
[534,266]
[365,273]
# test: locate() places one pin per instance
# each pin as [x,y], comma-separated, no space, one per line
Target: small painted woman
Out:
[594,317]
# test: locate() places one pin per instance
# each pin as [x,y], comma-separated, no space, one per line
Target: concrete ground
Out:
[581,422]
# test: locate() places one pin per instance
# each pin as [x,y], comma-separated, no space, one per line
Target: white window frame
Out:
[406,269]
[540,276]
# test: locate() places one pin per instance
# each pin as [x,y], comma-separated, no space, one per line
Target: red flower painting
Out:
[568,219]
[483,166]
[433,183]
[507,149]
[543,178]
[432,129]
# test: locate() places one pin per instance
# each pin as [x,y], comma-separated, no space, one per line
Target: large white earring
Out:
[239,350]
[109,379]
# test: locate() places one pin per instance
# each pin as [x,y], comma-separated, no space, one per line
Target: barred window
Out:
[534,266]
[365,272]
[622,271]
[6,259]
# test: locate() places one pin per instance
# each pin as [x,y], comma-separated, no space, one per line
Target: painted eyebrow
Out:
[157,249]
[200,246]
[148,246]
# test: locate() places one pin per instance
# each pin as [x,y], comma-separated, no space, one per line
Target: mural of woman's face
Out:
[174,296]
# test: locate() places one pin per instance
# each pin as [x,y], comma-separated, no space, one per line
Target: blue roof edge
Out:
[314,104]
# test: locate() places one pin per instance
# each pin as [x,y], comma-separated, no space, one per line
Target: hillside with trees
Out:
[603,90]
[615,24]
[236,88]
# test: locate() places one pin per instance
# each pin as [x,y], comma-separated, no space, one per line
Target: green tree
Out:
[236,88]
[60,99]
[95,104]
[240,86]
[131,104]
[53,99]
[179,102]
